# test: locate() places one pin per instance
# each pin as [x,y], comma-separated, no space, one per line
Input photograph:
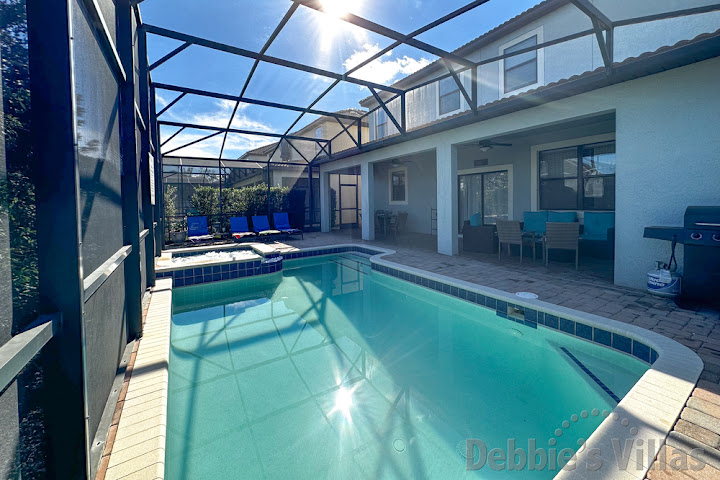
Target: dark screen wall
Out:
[78,160]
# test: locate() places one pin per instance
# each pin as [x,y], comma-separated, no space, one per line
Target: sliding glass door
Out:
[484,193]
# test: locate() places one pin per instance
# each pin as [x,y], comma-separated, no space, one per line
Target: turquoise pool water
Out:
[331,370]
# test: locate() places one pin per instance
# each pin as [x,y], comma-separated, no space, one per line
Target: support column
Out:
[147,158]
[325,210]
[447,199]
[367,196]
[130,173]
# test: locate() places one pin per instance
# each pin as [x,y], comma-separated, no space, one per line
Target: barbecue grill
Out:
[701,237]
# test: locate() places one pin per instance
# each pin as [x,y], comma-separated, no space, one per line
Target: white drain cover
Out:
[526,295]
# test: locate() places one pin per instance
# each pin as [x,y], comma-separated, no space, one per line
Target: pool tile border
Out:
[216,272]
[674,368]
[224,270]
[530,317]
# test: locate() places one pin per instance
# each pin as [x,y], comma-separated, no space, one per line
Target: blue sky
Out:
[311,37]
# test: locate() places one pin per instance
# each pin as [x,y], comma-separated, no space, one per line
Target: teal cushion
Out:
[535,221]
[597,224]
[562,216]
[476,220]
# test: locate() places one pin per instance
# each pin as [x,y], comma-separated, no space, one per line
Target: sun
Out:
[332,28]
[336,8]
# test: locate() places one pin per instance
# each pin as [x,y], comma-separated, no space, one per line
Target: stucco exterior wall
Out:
[668,157]
[421,190]
[668,152]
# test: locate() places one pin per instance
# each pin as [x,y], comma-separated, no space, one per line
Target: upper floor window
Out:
[448,96]
[578,178]
[381,124]
[523,71]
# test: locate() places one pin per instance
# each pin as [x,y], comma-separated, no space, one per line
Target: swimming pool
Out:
[329,369]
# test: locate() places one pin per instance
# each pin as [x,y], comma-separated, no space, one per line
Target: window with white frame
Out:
[448,96]
[397,178]
[523,71]
[381,122]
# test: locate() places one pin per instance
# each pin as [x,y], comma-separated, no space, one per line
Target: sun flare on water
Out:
[344,402]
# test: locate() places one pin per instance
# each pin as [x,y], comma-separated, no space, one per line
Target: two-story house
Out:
[554,129]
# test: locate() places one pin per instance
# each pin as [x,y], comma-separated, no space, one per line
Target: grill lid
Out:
[702,218]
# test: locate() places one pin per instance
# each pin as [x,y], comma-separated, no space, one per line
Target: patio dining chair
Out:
[510,233]
[562,236]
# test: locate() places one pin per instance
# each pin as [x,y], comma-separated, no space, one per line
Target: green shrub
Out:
[206,200]
[253,200]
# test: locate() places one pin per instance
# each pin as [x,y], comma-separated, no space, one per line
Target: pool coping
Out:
[138,451]
[647,412]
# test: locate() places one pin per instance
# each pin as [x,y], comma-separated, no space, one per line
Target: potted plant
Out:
[176,228]
[178,231]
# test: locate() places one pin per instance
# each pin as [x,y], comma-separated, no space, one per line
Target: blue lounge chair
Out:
[239,228]
[282,223]
[198,229]
[261,226]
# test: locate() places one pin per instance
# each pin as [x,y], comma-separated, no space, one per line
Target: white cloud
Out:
[235,143]
[383,70]
[321,78]
[160,100]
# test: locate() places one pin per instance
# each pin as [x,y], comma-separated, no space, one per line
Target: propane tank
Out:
[664,282]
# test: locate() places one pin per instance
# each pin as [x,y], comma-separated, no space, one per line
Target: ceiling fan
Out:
[487,145]
[396,162]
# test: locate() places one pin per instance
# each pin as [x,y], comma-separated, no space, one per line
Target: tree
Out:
[17,189]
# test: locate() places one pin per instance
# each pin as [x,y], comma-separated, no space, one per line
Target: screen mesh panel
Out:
[97,98]
[100,167]
[105,341]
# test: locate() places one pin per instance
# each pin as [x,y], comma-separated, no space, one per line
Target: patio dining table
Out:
[383,222]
